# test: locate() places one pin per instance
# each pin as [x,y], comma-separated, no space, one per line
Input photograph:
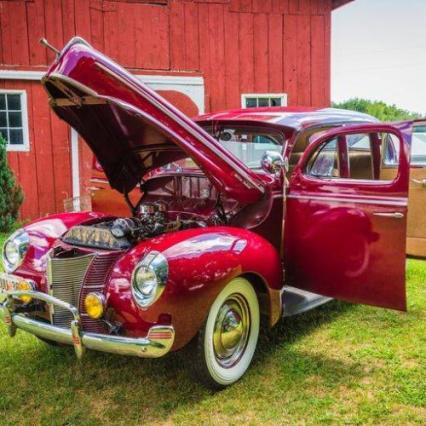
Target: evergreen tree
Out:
[11,195]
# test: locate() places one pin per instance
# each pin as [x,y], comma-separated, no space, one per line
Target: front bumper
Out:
[157,343]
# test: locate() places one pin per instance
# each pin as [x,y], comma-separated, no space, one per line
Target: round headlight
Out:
[149,279]
[14,250]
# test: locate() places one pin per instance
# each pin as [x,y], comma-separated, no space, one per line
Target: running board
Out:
[296,301]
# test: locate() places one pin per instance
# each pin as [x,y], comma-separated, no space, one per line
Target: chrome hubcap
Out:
[231,330]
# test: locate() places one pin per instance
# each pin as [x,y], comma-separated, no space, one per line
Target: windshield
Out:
[247,143]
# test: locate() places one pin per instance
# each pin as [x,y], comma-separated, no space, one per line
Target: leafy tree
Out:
[378,109]
[11,195]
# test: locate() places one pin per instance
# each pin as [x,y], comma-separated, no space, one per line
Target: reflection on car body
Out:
[215,236]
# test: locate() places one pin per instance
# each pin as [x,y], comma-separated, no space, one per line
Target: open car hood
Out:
[131,129]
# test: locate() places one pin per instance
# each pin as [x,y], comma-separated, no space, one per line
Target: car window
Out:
[360,156]
[324,163]
[248,144]
[371,155]
[357,157]
[390,150]
[418,146]
[361,141]
[303,140]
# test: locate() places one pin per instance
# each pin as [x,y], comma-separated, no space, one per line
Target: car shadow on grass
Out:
[146,389]
[291,329]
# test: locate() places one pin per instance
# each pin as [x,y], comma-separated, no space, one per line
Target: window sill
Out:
[17,148]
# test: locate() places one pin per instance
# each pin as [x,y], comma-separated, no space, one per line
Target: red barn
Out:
[203,55]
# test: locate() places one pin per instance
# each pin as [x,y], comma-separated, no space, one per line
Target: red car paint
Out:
[329,223]
[128,120]
[43,234]
[201,263]
[324,221]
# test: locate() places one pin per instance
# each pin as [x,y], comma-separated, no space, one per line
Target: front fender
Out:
[201,263]
[43,233]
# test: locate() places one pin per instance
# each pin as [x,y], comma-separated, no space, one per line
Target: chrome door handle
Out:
[419,181]
[396,215]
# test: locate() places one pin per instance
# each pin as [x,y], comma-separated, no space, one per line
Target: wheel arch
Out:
[201,263]
[270,302]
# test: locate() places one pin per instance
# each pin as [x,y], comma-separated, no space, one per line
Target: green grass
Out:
[339,364]
[2,238]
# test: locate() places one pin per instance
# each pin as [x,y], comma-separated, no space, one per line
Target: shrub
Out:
[11,195]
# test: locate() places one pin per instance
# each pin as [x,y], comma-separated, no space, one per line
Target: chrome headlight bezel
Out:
[17,242]
[149,279]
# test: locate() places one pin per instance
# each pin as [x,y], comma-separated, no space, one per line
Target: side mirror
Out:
[273,162]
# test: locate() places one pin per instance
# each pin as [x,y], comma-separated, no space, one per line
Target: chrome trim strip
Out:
[394,215]
[403,202]
[20,237]
[157,343]
[156,262]
[46,331]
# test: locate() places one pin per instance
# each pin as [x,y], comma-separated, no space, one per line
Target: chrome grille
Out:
[95,282]
[65,276]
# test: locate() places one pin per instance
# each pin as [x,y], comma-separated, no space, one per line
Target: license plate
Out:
[9,282]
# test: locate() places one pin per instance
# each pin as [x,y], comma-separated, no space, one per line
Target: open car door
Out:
[345,229]
[416,226]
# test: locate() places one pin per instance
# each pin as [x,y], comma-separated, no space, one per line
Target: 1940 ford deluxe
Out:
[209,249]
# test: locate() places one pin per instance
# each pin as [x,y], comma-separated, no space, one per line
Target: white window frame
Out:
[282,96]
[25,147]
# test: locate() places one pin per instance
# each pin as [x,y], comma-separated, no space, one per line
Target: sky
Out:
[379,52]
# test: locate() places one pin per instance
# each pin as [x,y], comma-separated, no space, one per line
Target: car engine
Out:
[152,219]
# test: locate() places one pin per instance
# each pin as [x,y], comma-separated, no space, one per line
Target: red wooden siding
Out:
[238,46]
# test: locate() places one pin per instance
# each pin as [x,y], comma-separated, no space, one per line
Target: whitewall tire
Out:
[224,347]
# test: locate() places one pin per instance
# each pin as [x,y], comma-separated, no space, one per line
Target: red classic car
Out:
[208,250]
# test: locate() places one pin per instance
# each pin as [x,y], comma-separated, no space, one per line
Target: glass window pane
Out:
[391,150]
[15,119]
[2,101]
[359,141]
[263,102]
[14,102]
[248,144]
[16,136]
[418,146]
[275,101]
[360,157]
[3,119]
[251,102]
[325,163]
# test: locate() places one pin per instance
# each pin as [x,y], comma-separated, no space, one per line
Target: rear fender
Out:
[201,263]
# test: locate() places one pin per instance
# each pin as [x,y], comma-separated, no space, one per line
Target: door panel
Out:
[416,228]
[416,217]
[345,238]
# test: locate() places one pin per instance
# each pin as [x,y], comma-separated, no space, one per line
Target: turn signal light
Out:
[94,304]
[25,286]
